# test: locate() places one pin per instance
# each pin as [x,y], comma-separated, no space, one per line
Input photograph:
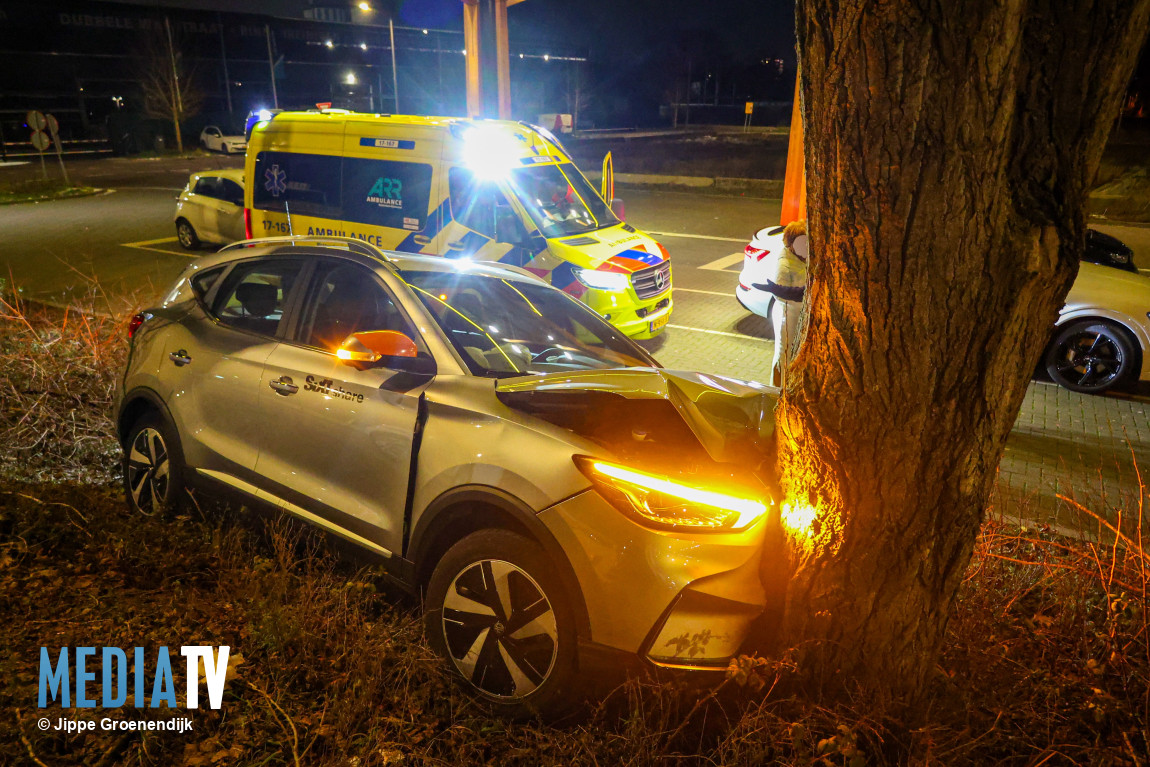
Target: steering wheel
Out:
[538,357]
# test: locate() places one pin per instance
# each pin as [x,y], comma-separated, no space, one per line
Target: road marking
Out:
[721,333]
[147,245]
[708,292]
[721,264]
[743,240]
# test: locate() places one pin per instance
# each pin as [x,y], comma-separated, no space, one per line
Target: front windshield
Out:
[503,328]
[559,200]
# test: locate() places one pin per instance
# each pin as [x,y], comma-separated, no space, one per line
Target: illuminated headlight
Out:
[603,280]
[490,152]
[664,503]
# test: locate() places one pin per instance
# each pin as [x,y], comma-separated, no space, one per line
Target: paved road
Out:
[1062,443]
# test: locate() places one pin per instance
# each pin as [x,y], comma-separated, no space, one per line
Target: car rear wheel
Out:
[186,233]
[153,467]
[1091,356]
[497,612]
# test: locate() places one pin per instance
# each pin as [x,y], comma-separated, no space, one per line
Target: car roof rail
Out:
[351,243]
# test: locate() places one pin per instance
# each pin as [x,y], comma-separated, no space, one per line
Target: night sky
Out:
[613,31]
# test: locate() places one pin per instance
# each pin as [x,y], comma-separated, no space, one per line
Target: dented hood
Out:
[652,410]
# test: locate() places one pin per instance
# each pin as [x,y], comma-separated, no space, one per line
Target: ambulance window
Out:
[473,202]
[307,184]
[391,193]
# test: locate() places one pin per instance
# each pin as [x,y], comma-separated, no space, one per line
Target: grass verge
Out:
[1046,661]
[42,191]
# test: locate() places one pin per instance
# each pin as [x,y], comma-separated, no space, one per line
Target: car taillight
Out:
[248,223]
[135,323]
[756,253]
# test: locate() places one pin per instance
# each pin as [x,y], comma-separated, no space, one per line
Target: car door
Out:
[481,214]
[337,439]
[230,211]
[213,362]
[208,206]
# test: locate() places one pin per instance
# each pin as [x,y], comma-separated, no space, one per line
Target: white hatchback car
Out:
[211,209]
[215,140]
[1101,339]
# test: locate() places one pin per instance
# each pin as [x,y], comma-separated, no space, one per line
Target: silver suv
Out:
[557,498]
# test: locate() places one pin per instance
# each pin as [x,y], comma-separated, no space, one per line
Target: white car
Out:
[211,209]
[215,140]
[1101,339]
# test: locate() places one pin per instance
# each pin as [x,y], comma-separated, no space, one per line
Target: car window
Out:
[254,295]
[504,327]
[203,281]
[231,192]
[344,299]
[208,186]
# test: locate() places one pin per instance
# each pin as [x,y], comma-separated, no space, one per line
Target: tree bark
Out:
[950,151]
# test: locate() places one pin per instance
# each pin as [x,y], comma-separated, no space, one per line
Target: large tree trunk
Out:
[950,151]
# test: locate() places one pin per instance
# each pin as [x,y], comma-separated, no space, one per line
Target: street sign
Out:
[53,126]
[36,120]
[40,140]
[750,107]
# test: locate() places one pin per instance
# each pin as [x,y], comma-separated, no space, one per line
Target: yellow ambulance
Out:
[483,190]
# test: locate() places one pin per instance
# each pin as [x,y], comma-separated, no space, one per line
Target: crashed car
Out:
[1100,341]
[560,501]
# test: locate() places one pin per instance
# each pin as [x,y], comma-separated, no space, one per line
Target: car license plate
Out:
[659,322]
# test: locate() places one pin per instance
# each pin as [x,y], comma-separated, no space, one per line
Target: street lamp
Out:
[350,79]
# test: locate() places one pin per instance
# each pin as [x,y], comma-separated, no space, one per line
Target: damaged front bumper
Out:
[677,600]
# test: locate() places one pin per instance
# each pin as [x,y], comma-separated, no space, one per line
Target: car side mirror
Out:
[619,209]
[385,348]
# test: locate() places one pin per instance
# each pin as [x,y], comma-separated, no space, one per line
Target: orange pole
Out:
[471,45]
[795,181]
[503,56]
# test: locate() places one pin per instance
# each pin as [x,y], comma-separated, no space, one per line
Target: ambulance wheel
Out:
[186,233]
[496,610]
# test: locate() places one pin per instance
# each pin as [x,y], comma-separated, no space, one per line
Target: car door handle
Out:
[421,239]
[283,385]
[181,358]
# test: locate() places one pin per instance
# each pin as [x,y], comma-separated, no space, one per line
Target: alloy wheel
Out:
[500,629]
[148,471]
[186,235]
[1091,359]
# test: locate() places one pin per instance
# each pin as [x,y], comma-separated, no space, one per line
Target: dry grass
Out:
[1047,659]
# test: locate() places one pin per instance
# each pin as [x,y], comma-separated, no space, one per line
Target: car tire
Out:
[153,467]
[474,586]
[1092,356]
[186,234]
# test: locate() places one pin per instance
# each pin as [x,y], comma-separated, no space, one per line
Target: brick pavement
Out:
[1076,445]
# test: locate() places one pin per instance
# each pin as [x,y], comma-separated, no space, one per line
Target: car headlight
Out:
[593,278]
[669,504]
[1120,258]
